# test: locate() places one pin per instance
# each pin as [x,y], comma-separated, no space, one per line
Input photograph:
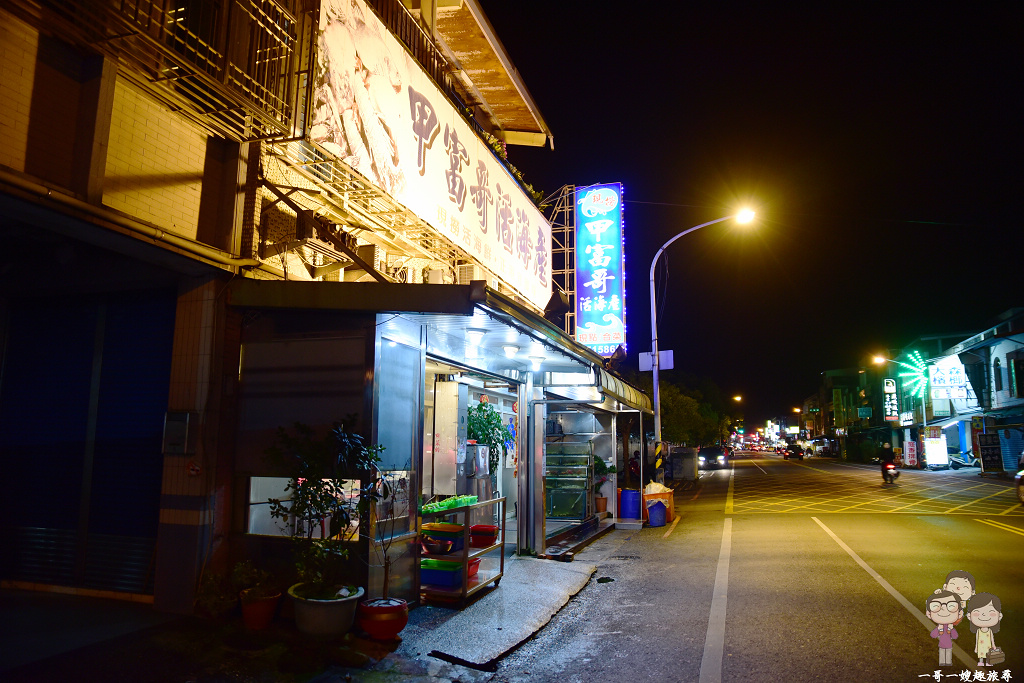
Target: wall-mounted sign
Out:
[378,112]
[863,412]
[907,418]
[600,269]
[890,401]
[949,382]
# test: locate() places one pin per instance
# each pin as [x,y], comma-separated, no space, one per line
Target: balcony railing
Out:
[231,65]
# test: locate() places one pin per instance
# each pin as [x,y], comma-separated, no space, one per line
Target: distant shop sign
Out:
[890,401]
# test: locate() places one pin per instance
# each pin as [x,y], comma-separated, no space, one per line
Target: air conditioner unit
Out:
[406,274]
[469,272]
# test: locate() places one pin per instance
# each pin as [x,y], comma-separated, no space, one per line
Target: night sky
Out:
[882,150]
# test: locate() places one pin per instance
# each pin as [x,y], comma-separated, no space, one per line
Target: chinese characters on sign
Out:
[380,114]
[890,401]
[600,269]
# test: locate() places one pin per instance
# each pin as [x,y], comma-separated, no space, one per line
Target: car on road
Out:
[712,456]
[793,451]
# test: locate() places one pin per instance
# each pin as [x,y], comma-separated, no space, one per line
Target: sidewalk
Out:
[54,637]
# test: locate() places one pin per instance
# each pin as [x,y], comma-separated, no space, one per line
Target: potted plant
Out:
[322,510]
[382,618]
[258,593]
[602,473]
[216,597]
[483,423]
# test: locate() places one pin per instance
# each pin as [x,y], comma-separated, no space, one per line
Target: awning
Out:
[625,392]
[456,311]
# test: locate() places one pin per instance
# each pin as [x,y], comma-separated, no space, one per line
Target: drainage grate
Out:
[624,557]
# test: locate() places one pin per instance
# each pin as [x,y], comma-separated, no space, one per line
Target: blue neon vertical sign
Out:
[600,268]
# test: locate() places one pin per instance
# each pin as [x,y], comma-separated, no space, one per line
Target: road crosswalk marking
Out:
[805,490]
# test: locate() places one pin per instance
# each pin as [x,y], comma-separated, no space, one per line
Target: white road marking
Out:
[714,643]
[968,661]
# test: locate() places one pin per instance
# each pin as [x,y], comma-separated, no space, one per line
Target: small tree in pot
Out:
[382,618]
[322,509]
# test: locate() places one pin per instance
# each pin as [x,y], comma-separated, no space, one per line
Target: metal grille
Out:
[50,556]
[563,249]
[230,65]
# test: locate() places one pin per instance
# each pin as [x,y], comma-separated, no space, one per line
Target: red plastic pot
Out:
[257,613]
[383,619]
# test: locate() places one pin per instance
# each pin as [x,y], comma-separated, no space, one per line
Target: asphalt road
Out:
[791,571]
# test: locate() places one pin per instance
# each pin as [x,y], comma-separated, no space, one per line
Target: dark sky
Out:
[882,149]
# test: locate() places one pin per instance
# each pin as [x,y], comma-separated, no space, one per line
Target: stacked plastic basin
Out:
[444,572]
[482,535]
[445,531]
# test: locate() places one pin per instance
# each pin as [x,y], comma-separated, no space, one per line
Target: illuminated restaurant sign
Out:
[890,402]
[600,269]
[379,113]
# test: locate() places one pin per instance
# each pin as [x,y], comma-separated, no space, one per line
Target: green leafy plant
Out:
[484,424]
[252,582]
[323,503]
[216,596]
[602,473]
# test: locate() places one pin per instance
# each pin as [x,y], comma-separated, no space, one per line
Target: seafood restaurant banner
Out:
[376,110]
[600,268]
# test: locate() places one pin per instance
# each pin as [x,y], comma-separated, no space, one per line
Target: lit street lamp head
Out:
[745,216]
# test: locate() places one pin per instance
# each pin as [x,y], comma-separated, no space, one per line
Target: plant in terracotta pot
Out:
[382,618]
[321,509]
[258,593]
[602,473]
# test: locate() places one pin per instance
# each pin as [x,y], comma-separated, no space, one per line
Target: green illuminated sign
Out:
[916,378]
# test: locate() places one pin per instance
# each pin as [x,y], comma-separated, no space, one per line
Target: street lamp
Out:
[744,216]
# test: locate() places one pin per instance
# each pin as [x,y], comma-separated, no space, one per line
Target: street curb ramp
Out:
[531,592]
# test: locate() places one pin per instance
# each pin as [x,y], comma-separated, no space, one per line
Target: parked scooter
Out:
[889,473]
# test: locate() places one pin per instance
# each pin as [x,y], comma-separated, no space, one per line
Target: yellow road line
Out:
[728,498]
[997,493]
[1012,507]
[953,493]
[1005,527]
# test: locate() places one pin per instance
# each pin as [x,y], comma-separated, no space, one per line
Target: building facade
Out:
[257,212]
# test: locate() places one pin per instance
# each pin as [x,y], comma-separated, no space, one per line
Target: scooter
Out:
[890,473]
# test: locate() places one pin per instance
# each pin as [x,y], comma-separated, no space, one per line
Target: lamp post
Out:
[744,216]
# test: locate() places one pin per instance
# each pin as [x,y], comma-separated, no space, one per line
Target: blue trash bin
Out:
[630,504]
[656,513]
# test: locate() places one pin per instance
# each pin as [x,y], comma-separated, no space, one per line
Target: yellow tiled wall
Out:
[18,47]
[154,163]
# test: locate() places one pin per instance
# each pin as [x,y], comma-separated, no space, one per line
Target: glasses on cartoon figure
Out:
[948,606]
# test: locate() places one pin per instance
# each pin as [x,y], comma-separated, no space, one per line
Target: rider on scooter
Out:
[887,457]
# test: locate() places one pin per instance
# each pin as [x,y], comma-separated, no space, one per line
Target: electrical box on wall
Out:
[180,432]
